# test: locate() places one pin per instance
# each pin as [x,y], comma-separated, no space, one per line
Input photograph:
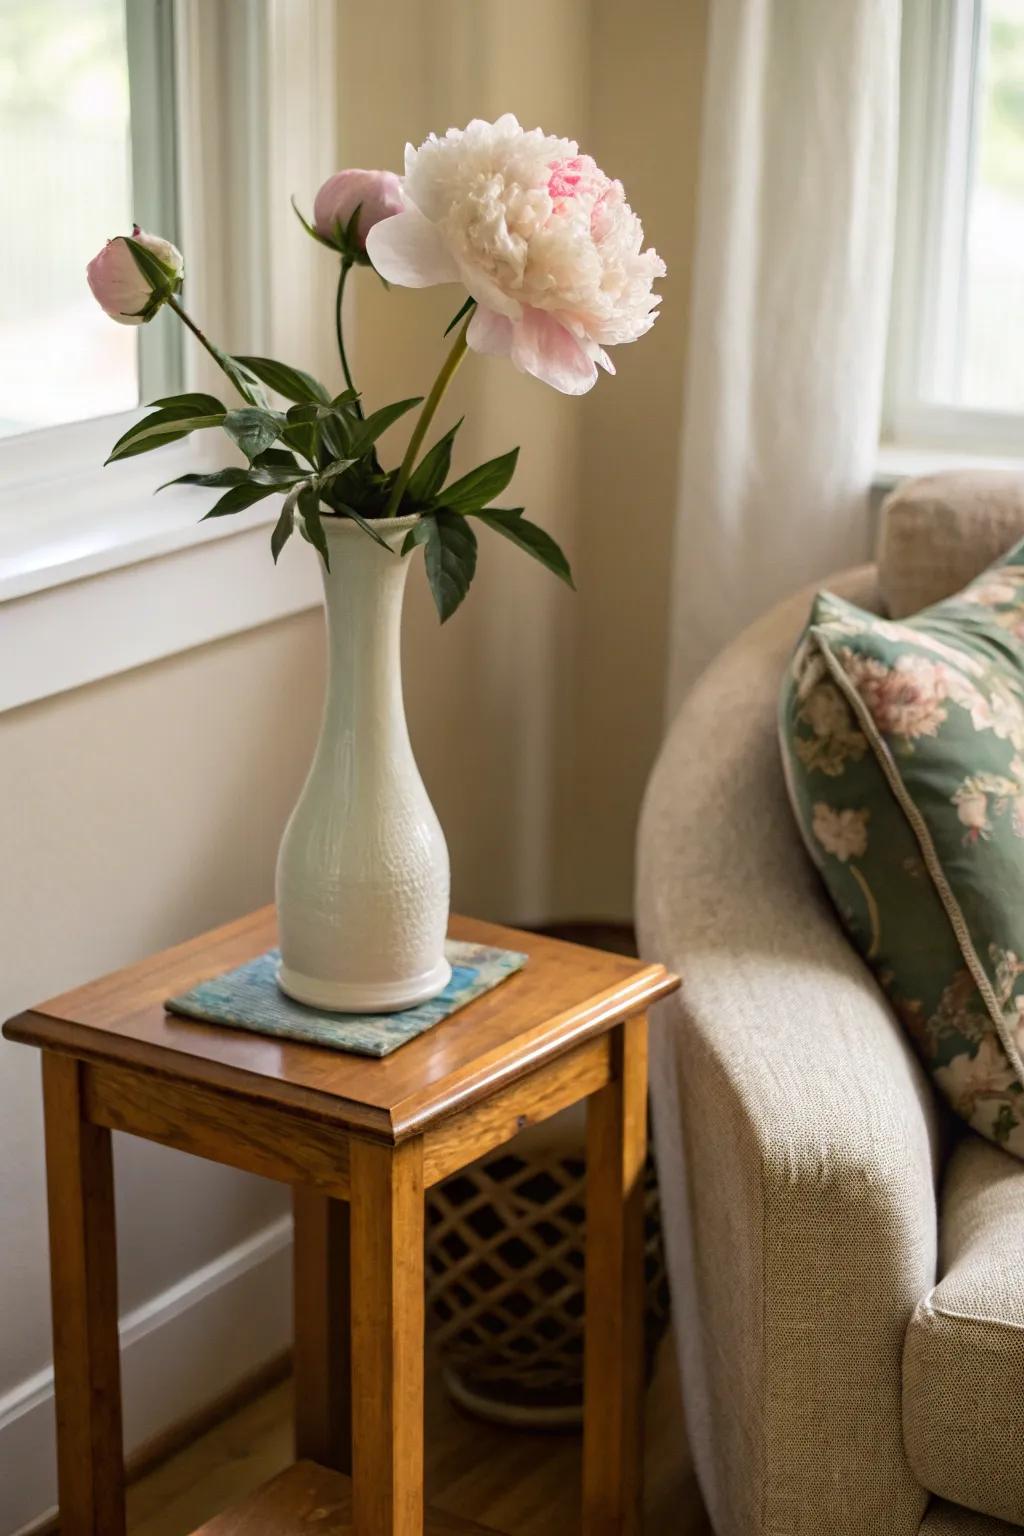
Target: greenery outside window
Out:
[955,373]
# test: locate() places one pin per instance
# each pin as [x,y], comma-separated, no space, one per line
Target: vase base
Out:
[362,996]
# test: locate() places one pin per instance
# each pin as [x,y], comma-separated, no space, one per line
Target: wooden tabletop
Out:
[564,995]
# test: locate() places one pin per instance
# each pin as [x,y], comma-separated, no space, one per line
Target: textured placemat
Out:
[250,998]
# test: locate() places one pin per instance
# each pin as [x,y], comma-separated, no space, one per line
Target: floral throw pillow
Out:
[903,745]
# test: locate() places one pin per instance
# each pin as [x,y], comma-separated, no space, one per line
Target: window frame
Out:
[938,127]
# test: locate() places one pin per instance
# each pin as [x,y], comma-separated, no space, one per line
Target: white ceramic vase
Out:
[362,874]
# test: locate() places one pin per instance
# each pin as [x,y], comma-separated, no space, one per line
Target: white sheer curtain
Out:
[790,304]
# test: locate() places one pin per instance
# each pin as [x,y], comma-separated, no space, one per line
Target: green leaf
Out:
[194,404]
[481,485]
[302,430]
[310,231]
[464,309]
[293,383]
[276,475]
[253,430]
[334,469]
[219,477]
[238,498]
[368,431]
[161,427]
[243,378]
[282,528]
[310,509]
[367,527]
[431,472]
[510,522]
[144,446]
[450,556]
[275,457]
[161,278]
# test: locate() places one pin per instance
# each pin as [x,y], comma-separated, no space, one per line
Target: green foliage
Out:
[462,310]
[1001,128]
[449,546]
[510,522]
[172,421]
[431,473]
[283,528]
[310,508]
[322,453]
[481,485]
[253,430]
[293,383]
[163,280]
[368,431]
[238,498]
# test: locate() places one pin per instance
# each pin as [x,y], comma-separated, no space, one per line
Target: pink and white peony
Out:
[377,195]
[542,239]
[120,287]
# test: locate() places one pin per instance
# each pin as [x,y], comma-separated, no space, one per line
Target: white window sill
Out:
[899,461]
[88,590]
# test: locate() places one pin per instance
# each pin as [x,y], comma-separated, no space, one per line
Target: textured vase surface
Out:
[362,873]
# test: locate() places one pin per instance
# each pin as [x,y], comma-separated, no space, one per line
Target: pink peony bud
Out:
[377,195]
[122,289]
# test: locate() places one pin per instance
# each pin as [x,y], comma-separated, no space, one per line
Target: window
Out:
[955,376]
[87,145]
[188,111]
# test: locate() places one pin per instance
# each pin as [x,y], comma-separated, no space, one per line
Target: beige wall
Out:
[133,814]
[536,713]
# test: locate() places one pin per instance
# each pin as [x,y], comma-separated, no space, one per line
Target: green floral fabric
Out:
[903,745]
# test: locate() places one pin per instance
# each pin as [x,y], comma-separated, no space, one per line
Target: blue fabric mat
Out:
[249,998]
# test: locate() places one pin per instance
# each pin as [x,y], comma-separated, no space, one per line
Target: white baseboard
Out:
[179,1351]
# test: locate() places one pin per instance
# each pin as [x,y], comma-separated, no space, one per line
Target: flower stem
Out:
[426,416]
[197,333]
[346,266]
[218,356]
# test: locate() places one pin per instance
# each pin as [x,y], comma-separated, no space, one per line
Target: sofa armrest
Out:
[796,1135]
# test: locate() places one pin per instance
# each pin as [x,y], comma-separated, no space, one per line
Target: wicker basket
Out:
[505,1244]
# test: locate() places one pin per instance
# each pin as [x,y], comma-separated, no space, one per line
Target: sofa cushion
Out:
[963,1361]
[904,750]
[944,1519]
[939,531]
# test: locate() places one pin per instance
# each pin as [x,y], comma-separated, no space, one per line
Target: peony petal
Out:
[542,346]
[600,356]
[410,251]
[490,333]
[488,294]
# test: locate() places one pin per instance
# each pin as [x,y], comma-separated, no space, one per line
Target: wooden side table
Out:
[359,1140]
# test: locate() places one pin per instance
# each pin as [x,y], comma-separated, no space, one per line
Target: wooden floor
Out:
[523,1483]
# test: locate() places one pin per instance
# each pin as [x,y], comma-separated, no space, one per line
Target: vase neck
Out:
[363,595]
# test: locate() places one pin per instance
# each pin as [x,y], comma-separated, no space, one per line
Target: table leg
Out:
[83,1280]
[322,1356]
[387,1338]
[614,1347]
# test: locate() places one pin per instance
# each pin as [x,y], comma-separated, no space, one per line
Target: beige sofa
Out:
[847,1266]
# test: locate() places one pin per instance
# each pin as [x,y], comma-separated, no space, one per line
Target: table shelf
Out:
[310,1500]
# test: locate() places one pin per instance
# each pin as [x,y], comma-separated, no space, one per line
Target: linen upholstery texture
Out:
[963,1360]
[790,1109]
[940,531]
[798,1142]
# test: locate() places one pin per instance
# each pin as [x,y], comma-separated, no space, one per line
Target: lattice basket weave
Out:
[505,1246]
